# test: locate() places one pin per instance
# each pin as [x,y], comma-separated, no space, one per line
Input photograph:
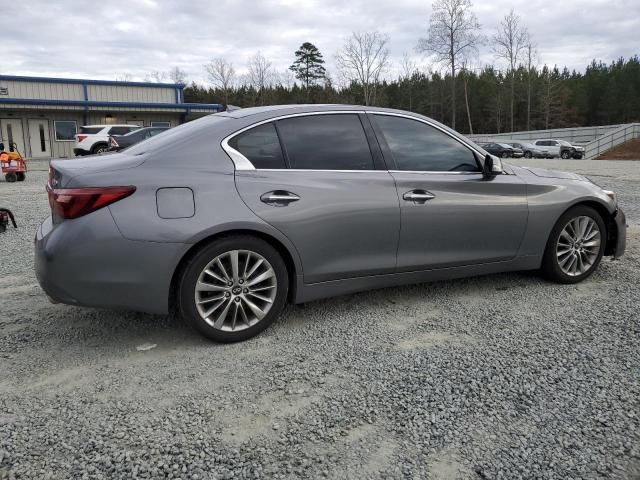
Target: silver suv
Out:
[561,148]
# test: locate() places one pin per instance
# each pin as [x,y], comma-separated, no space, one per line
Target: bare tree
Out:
[464,69]
[222,75]
[156,76]
[453,34]
[176,75]
[363,59]
[408,69]
[260,73]
[510,43]
[531,54]
[124,77]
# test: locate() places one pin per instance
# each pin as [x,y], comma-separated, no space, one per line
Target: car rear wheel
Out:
[21,176]
[11,177]
[527,155]
[575,246]
[505,155]
[565,154]
[100,148]
[233,288]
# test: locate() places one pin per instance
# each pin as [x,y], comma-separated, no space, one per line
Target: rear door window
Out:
[260,145]
[326,142]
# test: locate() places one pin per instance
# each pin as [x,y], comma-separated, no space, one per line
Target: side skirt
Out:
[307,292]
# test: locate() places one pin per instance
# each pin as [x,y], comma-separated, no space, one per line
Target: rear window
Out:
[90,130]
[326,142]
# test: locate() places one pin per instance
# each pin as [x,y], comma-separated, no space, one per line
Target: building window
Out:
[65,130]
[161,124]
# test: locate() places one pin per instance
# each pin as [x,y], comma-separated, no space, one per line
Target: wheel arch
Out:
[292,264]
[607,218]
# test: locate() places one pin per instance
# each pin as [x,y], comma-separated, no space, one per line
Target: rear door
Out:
[317,180]
[450,215]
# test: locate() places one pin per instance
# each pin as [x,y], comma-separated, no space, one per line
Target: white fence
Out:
[596,140]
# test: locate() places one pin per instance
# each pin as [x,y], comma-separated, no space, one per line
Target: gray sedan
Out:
[227,218]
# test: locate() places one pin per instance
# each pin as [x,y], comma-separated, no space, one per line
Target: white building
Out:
[42,115]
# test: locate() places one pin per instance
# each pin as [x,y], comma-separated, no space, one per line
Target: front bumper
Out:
[87,262]
[621,234]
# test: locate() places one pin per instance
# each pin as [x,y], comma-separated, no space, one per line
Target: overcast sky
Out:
[106,39]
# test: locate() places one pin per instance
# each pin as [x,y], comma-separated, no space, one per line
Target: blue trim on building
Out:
[18,78]
[216,107]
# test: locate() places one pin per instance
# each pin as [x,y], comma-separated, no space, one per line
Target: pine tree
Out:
[308,66]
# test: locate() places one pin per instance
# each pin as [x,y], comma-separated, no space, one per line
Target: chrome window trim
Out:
[242,163]
[434,172]
[437,127]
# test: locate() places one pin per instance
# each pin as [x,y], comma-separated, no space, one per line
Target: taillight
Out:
[112,142]
[76,202]
[81,137]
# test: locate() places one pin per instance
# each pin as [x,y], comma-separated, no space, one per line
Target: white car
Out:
[92,139]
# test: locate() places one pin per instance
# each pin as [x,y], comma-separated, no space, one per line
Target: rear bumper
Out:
[621,236]
[81,151]
[87,262]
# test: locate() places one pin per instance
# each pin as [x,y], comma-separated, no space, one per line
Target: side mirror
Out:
[492,167]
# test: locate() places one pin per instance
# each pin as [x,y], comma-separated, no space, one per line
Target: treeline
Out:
[603,94]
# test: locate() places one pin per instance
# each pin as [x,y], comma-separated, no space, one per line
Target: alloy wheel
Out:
[235,290]
[578,245]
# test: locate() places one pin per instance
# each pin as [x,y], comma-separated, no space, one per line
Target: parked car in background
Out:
[120,142]
[500,149]
[561,148]
[92,139]
[226,218]
[530,150]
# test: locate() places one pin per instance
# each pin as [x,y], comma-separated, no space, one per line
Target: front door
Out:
[450,215]
[12,133]
[39,138]
[317,183]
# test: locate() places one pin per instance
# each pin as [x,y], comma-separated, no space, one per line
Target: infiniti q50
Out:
[227,218]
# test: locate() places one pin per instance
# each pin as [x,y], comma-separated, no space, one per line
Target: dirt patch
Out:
[629,150]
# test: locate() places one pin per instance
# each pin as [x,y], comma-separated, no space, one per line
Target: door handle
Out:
[418,196]
[279,198]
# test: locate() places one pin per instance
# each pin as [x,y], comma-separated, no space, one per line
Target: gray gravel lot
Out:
[506,376]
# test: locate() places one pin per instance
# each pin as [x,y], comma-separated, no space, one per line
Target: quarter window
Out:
[420,147]
[326,142]
[261,146]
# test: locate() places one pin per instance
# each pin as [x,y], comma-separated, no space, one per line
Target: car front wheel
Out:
[505,155]
[233,288]
[527,155]
[575,246]
[565,154]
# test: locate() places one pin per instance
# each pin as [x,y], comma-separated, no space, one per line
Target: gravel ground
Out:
[506,376]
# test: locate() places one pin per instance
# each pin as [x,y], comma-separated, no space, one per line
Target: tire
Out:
[11,177]
[99,148]
[552,262]
[240,321]
[21,176]
[505,155]
[527,155]
[565,154]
